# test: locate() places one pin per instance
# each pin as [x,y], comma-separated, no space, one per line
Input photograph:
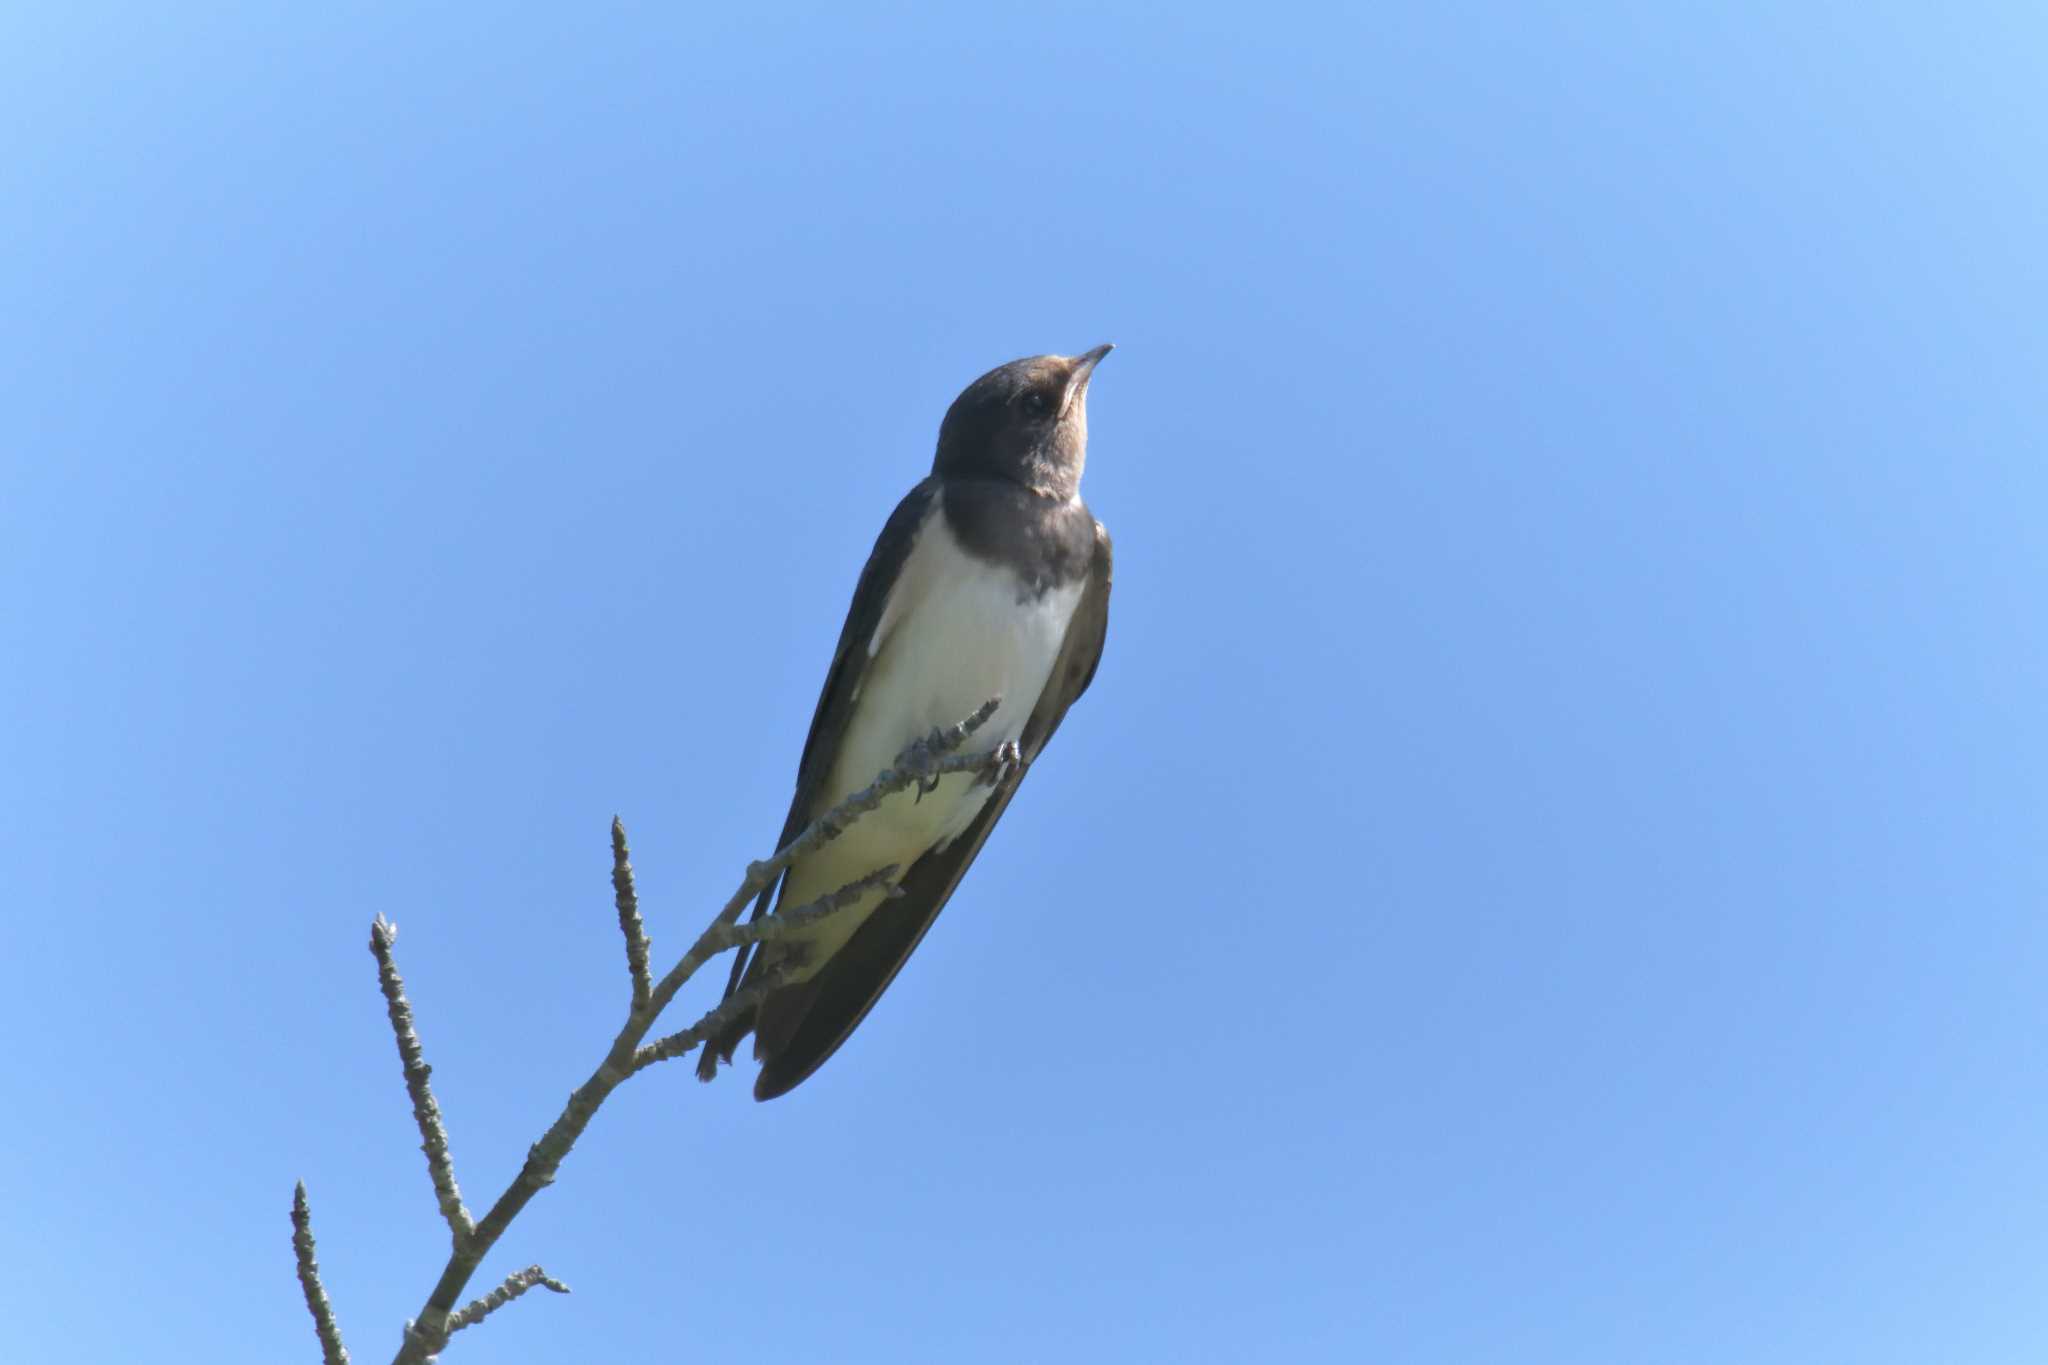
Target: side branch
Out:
[425,1112]
[517,1283]
[724,935]
[332,1352]
[629,916]
[922,763]
[683,1042]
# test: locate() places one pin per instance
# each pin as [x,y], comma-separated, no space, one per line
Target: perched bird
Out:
[990,579]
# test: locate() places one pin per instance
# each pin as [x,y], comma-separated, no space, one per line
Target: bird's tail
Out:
[721,1045]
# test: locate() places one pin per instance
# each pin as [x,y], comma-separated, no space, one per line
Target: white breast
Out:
[954,632]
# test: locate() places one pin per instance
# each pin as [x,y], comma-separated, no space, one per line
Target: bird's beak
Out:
[1077,380]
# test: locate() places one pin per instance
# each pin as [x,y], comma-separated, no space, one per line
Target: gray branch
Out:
[922,761]
[781,924]
[685,1041]
[332,1352]
[629,916]
[921,764]
[425,1112]
[517,1283]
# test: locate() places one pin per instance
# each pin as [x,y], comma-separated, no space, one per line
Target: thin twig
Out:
[332,1352]
[425,1112]
[921,762]
[685,1041]
[783,923]
[517,1283]
[728,936]
[723,935]
[629,916]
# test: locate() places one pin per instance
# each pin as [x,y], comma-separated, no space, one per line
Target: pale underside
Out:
[954,631]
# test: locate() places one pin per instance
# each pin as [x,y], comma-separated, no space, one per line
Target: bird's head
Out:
[1026,422]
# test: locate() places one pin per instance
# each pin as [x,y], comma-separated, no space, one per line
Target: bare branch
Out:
[629,916]
[683,1043]
[515,1284]
[425,1112]
[729,936]
[723,935]
[332,1352]
[922,762]
[782,923]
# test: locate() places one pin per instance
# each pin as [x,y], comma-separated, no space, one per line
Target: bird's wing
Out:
[842,684]
[831,1004]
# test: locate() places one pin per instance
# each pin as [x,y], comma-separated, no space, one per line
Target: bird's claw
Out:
[923,754]
[1003,763]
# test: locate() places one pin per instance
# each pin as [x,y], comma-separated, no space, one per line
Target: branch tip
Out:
[516,1284]
[426,1111]
[631,926]
[332,1352]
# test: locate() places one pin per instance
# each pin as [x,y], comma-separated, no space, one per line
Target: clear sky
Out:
[1551,867]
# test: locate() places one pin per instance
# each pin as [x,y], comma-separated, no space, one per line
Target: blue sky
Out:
[1550,868]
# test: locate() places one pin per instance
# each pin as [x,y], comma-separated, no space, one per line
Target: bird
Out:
[990,580]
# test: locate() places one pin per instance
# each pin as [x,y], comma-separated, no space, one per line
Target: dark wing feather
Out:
[850,659]
[835,709]
[846,988]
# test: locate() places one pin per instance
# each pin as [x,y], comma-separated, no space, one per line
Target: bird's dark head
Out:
[1026,421]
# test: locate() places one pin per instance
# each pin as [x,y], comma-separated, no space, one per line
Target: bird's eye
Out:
[1035,404]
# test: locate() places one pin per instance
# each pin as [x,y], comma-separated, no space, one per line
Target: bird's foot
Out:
[1004,762]
[923,756]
